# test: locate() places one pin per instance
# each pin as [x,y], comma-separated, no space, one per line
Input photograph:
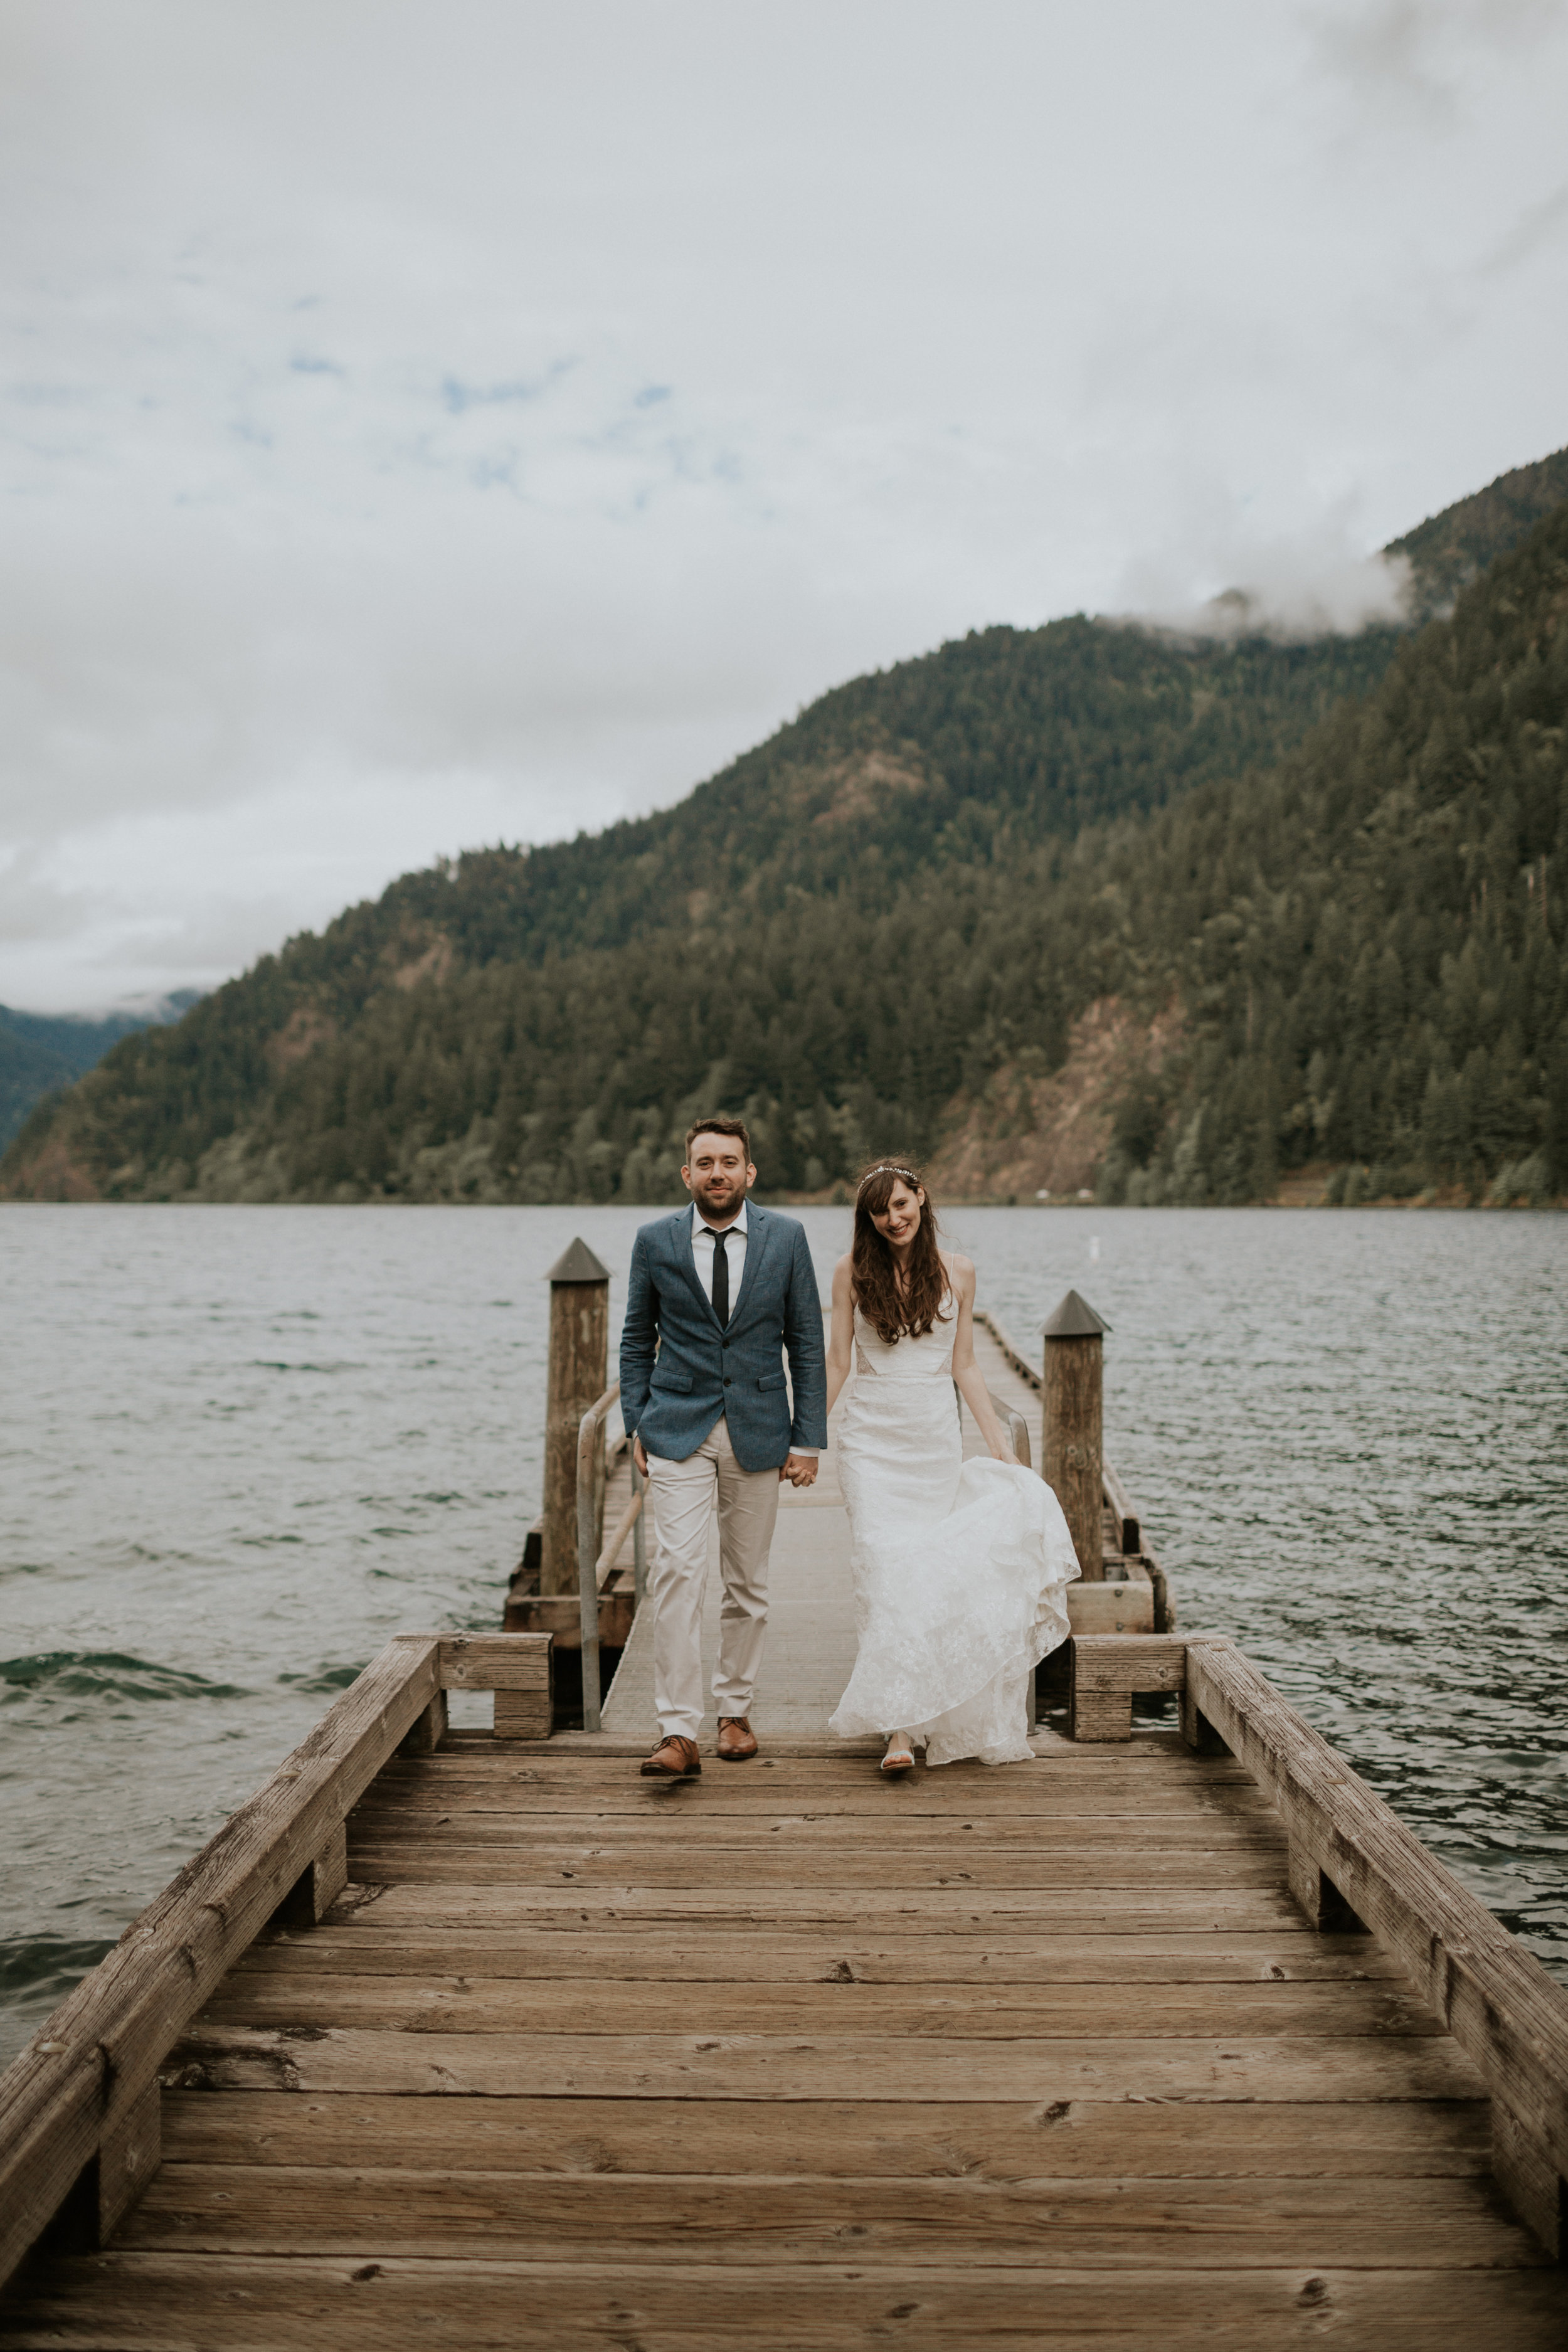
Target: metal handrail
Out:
[629,1524]
[1012,1421]
[588,1430]
[639,1536]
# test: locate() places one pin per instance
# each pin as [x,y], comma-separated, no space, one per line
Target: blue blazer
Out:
[704,1370]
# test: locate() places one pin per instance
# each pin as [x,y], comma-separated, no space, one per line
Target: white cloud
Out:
[425,424]
[1319,583]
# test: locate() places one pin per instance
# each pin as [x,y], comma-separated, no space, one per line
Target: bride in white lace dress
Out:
[961,1568]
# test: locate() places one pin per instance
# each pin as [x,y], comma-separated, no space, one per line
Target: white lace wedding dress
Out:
[961,1568]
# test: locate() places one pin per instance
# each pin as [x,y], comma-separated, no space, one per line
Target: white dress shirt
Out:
[734,1235]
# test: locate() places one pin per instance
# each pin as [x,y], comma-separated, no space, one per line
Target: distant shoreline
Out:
[1451,1200]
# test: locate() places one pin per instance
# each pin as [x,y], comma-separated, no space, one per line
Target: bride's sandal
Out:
[899,1756]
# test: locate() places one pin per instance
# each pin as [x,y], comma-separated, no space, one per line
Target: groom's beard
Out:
[720,1206]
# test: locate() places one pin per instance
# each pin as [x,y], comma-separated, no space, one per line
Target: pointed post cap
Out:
[1074,1318]
[577,1263]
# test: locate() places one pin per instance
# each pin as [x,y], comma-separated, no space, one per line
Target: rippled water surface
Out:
[243,1446]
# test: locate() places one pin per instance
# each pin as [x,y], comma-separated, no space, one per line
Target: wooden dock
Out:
[454,2039]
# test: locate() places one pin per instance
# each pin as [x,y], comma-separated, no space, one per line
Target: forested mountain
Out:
[1369,942]
[42,1050]
[973,754]
[907,920]
[1451,549]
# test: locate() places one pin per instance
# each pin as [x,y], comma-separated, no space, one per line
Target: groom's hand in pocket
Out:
[800,1469]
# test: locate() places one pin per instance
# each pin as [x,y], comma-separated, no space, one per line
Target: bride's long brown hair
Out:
[873,1271]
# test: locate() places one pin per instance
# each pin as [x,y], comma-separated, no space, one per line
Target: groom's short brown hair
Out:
[719,1126]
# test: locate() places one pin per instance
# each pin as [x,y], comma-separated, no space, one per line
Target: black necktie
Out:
[720,1280]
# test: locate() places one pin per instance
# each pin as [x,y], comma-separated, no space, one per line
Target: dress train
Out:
[961,1568]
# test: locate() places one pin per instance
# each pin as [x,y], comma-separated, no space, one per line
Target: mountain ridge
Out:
[1451,549]
[1005,757]
[42,1052]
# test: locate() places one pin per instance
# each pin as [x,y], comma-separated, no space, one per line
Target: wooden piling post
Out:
[1073,1443]
[579,1356]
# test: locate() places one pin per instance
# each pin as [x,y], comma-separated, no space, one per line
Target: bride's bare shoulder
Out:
[960,1272]
[841,1271]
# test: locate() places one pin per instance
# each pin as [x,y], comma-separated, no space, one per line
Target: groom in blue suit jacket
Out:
[719,1295]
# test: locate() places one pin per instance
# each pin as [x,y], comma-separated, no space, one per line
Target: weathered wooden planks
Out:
[942,1794]
[1105,1673]
[650,1955]
[1494,1996]
[300,2304]
[850,1816]
[478,2004]
[519,1667]
[430,1858]
[1092,1909]
[83,2093]
[756,1811]
[772,2017]
[1217,1829]
[704,2066]
[86,2077]
[493,1661]
[1431,2223]
[832,2139]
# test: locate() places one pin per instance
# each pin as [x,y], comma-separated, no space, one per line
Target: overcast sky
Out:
[431,422]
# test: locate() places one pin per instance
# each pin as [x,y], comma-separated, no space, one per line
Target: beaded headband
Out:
[888,1168]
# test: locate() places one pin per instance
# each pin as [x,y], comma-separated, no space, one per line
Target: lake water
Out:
[242,1445]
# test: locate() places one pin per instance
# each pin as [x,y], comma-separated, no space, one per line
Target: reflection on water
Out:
[243,1446]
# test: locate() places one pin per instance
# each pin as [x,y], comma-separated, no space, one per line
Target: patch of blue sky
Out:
[459,396]
[495,472]
[651,394]
[684,458]
[311,364]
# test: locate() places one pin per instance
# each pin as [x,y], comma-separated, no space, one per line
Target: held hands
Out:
[800,1469]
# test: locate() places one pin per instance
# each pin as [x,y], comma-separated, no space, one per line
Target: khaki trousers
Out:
[681,1496]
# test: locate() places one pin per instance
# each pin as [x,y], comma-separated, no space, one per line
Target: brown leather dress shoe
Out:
[737,1740]
[673,1759]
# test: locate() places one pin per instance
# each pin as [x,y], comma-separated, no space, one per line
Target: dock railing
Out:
[595,1567]
[1354,1865]
[1016,1427]
[80,2108]
[1132,1541]
[1009,1347]
[632,1522]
